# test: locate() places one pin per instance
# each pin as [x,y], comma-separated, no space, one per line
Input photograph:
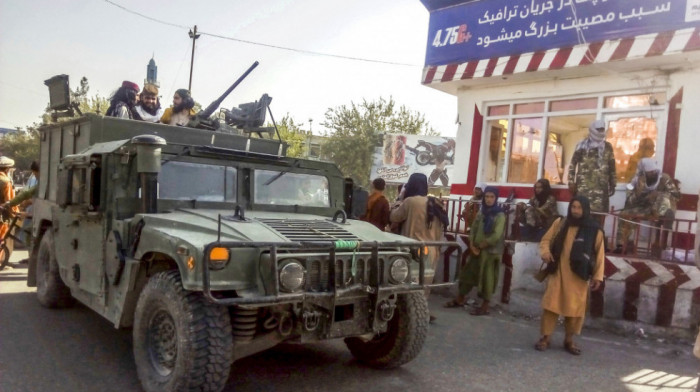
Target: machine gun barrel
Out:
[215,105]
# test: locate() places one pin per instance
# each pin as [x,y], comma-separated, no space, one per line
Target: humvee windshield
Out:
[197,181]
[282,188]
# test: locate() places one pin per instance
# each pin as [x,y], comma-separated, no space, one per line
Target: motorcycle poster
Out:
[402,155]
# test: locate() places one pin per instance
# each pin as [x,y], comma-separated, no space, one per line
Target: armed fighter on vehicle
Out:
[204,241]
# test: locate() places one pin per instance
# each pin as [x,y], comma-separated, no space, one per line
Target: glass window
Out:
[495,162]
[285,188]
[196,181]
[501,110]
[631,101]
[563,134]
[78,186]
[573,104]
[530,107]
[526,144]
[632,138]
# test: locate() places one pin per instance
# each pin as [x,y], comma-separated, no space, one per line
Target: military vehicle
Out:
[213,245]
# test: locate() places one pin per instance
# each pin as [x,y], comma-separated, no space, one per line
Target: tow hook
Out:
[311,320]
[386,310]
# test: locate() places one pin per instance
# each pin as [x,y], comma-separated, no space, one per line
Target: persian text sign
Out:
[402,155]
[496,28]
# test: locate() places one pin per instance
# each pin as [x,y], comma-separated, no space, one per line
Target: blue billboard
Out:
[494,28]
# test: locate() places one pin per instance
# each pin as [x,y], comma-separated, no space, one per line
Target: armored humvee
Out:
[213,246]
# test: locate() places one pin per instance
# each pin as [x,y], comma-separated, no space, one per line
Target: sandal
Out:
[542,344]
[479,312]
[572,348]
[453,304]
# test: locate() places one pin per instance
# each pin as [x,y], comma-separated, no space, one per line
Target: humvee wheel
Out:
[4,257]
[181,341]
[403,339]
[50,289]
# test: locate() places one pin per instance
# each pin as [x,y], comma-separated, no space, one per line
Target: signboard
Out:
[402,155]
[497,28]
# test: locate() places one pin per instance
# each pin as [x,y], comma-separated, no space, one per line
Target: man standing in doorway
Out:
[592,170]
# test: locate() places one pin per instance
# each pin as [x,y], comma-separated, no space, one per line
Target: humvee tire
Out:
[50,289]
[4,257]
[403,339]
[181,341]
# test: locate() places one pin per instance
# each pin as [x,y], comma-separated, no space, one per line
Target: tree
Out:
[356,131]
[293,135]
[21,146]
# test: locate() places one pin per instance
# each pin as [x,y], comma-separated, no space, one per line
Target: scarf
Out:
[544,194]
[489,213]
[417,185]
[581,256]
[595,139]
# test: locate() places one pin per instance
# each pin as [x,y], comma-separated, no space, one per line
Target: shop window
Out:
[529,108]
[495,162]
[526,144]
[632,138]
[632,101]
[573,104]
[500,110]
[563,134]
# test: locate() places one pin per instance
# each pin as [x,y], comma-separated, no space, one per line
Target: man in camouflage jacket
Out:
[592,169]
[654,197]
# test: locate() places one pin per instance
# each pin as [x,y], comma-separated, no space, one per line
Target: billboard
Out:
[496,28]
[402,155]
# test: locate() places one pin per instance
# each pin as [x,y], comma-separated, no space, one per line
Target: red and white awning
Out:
[641,46]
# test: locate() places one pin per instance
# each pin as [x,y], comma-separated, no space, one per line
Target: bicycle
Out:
[5,251]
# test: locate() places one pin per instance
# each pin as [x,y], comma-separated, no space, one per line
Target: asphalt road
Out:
[76,350]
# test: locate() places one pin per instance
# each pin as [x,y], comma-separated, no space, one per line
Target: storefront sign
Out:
[496,28]
[402,155]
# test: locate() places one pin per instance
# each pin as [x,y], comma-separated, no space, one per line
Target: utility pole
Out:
[194,36]
[308,139]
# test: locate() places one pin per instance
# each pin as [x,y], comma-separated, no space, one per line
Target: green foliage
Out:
[23,147]
[358,128]
[292,134]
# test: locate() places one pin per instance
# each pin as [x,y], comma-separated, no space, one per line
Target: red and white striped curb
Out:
[647,45]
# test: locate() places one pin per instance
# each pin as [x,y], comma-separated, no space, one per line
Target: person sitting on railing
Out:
[537,215]
[653,196]
[471,209]
[486,244]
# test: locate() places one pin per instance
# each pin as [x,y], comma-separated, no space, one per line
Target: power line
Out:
[311,52]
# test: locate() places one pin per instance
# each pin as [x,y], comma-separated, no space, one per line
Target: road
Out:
[76,350]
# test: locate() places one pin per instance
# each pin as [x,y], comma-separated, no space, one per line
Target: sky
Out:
[107,44]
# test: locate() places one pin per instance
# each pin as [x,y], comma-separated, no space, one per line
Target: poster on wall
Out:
[402,155]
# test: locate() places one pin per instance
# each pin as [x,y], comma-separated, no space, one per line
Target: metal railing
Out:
[650,240]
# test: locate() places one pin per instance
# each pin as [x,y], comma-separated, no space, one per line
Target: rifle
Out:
[202,120]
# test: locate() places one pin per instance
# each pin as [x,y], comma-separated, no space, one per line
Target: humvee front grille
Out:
[309,230]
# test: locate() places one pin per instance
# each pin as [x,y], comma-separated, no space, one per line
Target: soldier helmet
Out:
[6,162]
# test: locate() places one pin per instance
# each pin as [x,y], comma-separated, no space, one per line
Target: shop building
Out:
[531,75]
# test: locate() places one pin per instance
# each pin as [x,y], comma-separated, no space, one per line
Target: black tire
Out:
[50,289]
[423,158]
[4,257]
[403,339]
[181,341]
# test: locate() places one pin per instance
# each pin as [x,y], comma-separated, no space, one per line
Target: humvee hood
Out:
[199,227]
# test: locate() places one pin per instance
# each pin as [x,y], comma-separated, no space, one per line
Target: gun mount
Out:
[249,117]
[202,119]
[60,98]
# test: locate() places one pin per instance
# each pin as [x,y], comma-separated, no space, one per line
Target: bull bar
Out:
[330,247]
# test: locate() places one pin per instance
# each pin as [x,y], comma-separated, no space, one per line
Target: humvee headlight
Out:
[291,276]
[218,257]
[398,270]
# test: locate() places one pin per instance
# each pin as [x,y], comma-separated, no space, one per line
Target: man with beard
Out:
[122,103]
[148,107]
[181,111]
